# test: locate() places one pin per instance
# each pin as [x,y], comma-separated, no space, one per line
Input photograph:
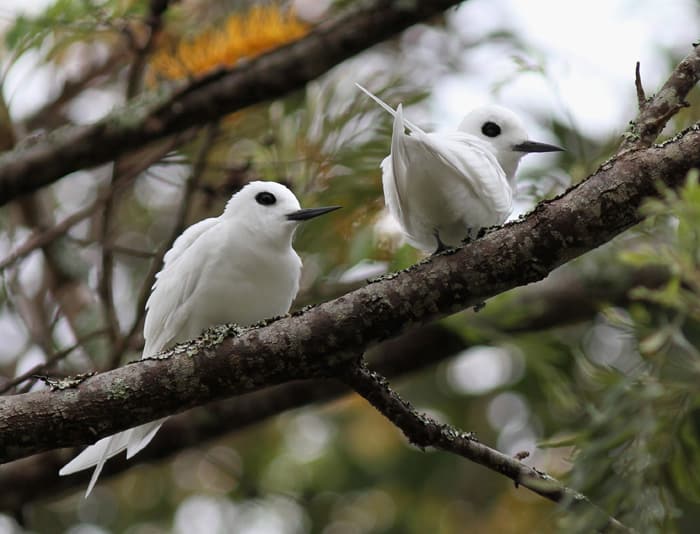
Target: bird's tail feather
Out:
[389,109]
[142,436]
[96,455]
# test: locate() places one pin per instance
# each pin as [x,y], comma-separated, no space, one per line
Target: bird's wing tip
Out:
[389,109]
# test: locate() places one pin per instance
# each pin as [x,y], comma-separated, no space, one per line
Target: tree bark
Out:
[559,301]
[228,361]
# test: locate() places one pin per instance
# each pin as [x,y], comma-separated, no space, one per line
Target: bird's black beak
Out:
[310,213]
[534,146]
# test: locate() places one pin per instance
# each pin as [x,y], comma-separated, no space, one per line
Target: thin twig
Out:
[59,281]
[124,172]
[104,286]
[154,22]
[423,431]
[656,111]
[41,239]
[56,279]
[119,249]
[641,97]
[30,310]
[48,115]
[180,220]
[52,360]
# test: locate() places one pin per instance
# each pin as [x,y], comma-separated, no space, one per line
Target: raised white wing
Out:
[452,185]
[404,122]
[394,170]
[474,169]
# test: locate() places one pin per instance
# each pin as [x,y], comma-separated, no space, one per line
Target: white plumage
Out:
[239,267]
[444,187]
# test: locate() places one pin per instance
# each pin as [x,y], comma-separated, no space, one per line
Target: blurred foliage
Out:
[612,400]
[633,419]
[242,35]
[67,22]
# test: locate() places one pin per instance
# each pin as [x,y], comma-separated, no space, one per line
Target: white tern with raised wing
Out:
[239,267]
[443,188]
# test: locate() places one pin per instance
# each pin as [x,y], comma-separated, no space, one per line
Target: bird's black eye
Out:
[265,198]
[491,129]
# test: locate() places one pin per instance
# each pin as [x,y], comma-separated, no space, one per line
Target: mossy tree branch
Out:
[157,116]
[559,301]
[226,361]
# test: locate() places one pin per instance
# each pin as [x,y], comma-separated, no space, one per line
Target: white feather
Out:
[404,122]
[449,185]
[239,267]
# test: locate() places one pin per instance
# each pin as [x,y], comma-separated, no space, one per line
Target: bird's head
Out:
[270,209]
[502,130]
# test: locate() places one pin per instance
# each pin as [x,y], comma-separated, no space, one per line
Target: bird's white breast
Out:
[224,276]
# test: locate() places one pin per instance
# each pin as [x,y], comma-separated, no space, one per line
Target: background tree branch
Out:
[156,115]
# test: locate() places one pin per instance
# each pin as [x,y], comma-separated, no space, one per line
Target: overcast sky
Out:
[589,51]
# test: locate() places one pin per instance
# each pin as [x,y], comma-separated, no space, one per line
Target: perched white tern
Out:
[443,188]
[239,267]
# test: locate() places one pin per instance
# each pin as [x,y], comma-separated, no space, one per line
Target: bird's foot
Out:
[441,247]
[479,306]
[473,235]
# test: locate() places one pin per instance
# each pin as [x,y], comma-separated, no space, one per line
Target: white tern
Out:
[443,188]
[239,267]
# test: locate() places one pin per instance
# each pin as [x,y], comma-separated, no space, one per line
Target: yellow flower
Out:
[243,35]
